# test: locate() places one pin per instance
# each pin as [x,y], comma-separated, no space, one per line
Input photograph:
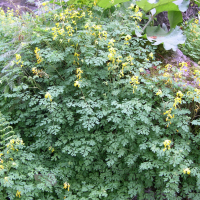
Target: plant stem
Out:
[150,19]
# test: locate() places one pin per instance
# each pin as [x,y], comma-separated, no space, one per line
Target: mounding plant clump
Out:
[89,120]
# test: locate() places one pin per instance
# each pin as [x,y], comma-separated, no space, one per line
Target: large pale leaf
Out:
[170,40]
[163,5]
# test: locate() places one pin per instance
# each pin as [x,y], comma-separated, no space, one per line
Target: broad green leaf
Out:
[174,17]
[170,39]
[107,4]
[163,5]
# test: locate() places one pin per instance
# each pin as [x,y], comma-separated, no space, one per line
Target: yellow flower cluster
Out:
[12,143]
[169,116]
[159,92]
[127,38]
[45,3]
[112,51]
[151,55]
[134,81]
[104,34]
[18,194]
[137,15]
[179,74]
[168,67]
[186,171]
[38,72]
[166,144]
[70,16]
[178,98]
[48,95]
[66,186]
[39,59]
[51,149]
[18,59]
[197,75]
[78,75]
[167,75]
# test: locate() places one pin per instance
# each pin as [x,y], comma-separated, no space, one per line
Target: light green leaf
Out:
[170,39]
[163,5]
[107,4]
[174,17]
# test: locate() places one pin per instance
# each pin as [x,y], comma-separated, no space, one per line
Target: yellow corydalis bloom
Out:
[179,94]
[18,194]
[66,186]
[18,58]
[111,42]
[134,81]
[1,167]
[168,67]
[137,9]
[76,83]
[51,149]
[166,144]
[178,98]
[151,55]
[45,3]
[169,116]
[131,6]
[39,60]
[78,73]
[47,95]
[186,171]
[127,38]
[159,92]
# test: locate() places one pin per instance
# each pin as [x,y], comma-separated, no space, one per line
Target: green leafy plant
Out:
[191,47]
[96,116]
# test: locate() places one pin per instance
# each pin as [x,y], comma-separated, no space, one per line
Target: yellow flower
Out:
[66,185]
[45,3]
[136,9]
[12,141]
[167,144]
[131,6]
[180,94]
[11,159]
[187,170]
[128,37]
[151,55]
[111,42]
[18,194]
[76,83]
[159,92]
[18,57]
[47,95]
[1,167]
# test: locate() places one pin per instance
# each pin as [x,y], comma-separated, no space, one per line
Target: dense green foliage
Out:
[191,46]
[92,117]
